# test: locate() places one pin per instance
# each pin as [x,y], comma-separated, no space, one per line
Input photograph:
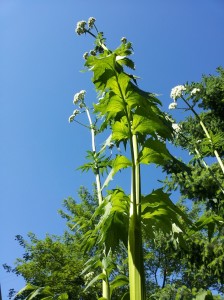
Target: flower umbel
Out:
[177,91]
[124,40]
[80,27]
[91,22]
[79,97]
[72,117]
[173,105]
[176,127]
[85,55]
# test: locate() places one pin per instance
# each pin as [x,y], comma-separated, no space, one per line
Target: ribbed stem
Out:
[105,285]
[135,251]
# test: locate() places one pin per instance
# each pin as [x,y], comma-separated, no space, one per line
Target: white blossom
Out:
[195,91]
[91,22]
[176,127]
[177,91]
[79,97]
[88,277]
[74,114]
[85,55]
[124,40]
[80,27]
[71,118]
[173,105]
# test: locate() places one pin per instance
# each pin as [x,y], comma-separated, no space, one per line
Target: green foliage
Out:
[113,222]
[205,181]
[201,263]
[43,293]
[135,122]
[57,262]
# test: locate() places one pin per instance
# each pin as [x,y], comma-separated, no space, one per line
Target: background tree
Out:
[202,263]
[58,261]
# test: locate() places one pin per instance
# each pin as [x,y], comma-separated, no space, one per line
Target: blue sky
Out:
[40,59]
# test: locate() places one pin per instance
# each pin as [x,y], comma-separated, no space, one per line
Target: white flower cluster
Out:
[173,105]
[177,91]
[80,27]
[195,91]
[79,97]
[176,127]
[124,40]
[85,55]
[79,100]
[74,114]
[91,22]
[88,277]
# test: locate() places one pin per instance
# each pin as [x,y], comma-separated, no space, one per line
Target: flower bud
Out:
[173,105]
[91,22]
[80,27]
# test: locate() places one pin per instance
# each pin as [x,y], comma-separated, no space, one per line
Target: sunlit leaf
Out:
[119,281]
[120,130]
[155,152]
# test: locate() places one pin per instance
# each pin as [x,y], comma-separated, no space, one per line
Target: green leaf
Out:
[120,162]
[63,296]
[210,222]
[155,152]
[127,62]
[28,287]
[95,279]
[120,130]
[204,295]
[115,104]
[112,226]
[159,212]
[41,291]
[119,281]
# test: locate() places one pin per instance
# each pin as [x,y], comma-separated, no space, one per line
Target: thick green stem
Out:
[135,250]
[105,285]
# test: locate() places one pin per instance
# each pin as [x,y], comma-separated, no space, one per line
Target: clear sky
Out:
[40,59]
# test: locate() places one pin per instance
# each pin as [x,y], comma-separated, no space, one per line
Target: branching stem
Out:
[206,133]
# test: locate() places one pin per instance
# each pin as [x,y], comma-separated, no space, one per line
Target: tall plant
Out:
[140,128]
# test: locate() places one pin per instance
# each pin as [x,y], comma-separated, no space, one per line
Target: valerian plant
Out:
[136,125]
[202,134]
[211,141]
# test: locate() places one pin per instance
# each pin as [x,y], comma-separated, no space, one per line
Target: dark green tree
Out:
[202,135]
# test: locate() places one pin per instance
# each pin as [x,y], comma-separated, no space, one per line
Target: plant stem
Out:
[98,182]
[206,133]
[135,251]
[208,168]
[105,285]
